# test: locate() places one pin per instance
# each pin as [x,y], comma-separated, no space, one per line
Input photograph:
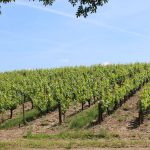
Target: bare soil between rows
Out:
[123,122]
[48,124]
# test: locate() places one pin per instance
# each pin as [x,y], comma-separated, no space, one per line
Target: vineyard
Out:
[144,103]
[49,89]
[101,90]
[145,97]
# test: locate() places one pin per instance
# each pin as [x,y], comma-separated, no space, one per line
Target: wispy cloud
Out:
[92,22]
[46,9]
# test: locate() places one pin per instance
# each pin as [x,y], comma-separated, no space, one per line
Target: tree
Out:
[84,6]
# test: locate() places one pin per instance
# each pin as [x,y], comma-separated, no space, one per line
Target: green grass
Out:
[29,115]
[126,107]
[69,144]
[83,119]
[73,134]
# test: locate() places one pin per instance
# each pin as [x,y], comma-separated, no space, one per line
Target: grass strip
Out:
[29,115]
[83,118]
[69,144]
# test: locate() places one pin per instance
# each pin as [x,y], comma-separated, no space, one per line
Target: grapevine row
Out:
[51,88]
[144,103]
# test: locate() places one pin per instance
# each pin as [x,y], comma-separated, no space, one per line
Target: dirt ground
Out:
[44,124]
[90,149]
[123,122]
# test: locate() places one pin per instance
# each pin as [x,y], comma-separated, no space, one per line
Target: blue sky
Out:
[34,36]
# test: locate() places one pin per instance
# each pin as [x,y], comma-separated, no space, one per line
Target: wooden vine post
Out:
[100,111]
[11,113]
[32,105]
[141,117]
[23,109]
[60,112]
[89,103]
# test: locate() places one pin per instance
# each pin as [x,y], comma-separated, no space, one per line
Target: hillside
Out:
[84,107]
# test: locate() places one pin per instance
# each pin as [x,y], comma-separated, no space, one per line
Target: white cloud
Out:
[106,63]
